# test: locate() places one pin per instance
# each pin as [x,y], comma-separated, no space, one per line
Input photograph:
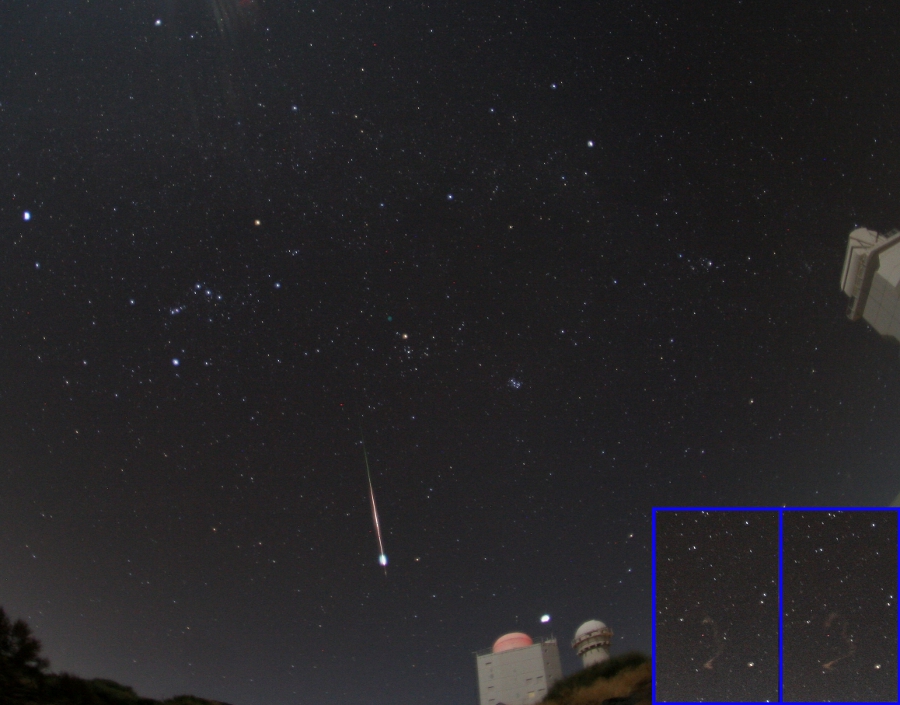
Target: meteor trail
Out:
[382,557]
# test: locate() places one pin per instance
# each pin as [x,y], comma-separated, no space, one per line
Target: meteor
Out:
[382,556]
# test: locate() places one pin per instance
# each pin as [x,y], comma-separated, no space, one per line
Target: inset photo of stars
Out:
[840,606]
[716,605]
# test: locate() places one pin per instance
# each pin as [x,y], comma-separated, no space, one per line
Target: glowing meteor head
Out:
[382,559]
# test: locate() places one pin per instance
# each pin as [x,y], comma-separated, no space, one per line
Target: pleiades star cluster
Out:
[556,263]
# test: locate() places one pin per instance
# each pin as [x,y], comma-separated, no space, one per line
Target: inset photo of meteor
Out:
[840,605]
[716,605]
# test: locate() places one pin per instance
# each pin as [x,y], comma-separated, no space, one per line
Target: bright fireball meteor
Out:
[382,557]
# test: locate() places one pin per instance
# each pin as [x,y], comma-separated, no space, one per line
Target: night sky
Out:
[559,263]
[717,606]
[840,606]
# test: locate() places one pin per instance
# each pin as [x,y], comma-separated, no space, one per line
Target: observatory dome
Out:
[514,640]
[592,625]
[592,641]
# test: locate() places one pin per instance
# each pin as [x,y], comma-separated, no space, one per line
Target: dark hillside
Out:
[622,680]
[25,679]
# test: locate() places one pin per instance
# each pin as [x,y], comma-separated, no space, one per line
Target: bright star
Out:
[26,215]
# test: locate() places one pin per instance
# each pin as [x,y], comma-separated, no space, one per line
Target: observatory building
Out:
[516,671]
[871,277]
[591,642]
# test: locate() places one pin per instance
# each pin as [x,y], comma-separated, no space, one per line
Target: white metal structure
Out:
[591,642]
[871,278]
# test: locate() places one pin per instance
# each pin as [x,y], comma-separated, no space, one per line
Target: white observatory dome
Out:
[591,642]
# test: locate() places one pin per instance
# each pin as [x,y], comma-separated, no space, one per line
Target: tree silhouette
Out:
[21,664]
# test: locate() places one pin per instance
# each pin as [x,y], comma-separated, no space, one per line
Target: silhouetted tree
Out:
[21,664]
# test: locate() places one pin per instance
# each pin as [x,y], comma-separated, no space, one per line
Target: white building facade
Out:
[517,671]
